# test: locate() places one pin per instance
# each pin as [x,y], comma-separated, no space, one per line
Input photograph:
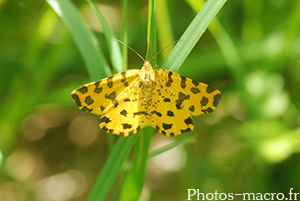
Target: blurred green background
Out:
[51,151]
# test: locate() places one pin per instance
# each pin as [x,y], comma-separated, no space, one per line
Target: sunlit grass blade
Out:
[192,34]
[134,181]
[84,39]
[151,32]
[290,32]
[112,167]
[173,145]
[114,51]
[164,27]
[113,46]
[125,34]
[1,157]
[225,43]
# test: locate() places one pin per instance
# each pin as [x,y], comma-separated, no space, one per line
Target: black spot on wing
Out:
[167,100]
[140,112]
[123,76]
[98,89]
[217,99]
[169,82]
[208,110]
[204,101]
[192,108]
[159,92]
[157,113]
[105,129]
[109,82]
[116,103]
[170,113]
[188,121]
[181,98]
[124,113]
[126,100]
[76,99]
[172,134]
[88,100]
[127,126]
[195,90]
[167,126]
[111,96]
[209,89]
[186,130]
[104,119]
[86,110]
[195,83]
[102,107]
[183,82]
[83,90]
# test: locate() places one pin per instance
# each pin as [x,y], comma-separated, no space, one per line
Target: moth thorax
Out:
[147,81]
[147,76]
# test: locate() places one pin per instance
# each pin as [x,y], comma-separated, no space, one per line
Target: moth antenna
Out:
[130,49]
[163,49]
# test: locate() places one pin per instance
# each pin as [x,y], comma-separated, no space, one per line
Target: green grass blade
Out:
[192,34]
[124,35]
[134,181]
[1,158]
[225,43]
[173,145]
[114,52]
[290,32]
[113,45]
[112,167]
[164,28]
[151,32]
[84,39]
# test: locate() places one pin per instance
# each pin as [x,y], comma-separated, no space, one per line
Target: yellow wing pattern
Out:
[179,98]
[96,96]
[133,99]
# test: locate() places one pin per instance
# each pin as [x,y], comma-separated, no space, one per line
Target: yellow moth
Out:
[131,100]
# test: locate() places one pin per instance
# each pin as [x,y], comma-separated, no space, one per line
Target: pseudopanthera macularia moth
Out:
[133,99]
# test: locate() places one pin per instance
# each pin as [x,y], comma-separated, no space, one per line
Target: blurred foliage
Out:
[49,150]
